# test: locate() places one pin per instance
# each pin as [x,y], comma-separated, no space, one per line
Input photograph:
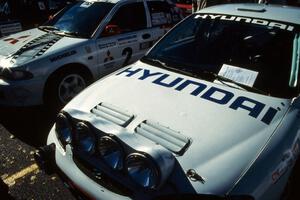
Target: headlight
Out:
[142,170]
[111,152]
[63,129]
[84,138]
[14,74]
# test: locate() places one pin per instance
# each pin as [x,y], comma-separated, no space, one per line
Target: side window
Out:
[130,17]
[162,13]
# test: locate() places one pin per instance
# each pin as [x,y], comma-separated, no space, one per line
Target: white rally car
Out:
[86,40]
[212,111]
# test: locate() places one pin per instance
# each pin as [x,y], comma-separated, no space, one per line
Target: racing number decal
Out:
[15,40]
[128,52]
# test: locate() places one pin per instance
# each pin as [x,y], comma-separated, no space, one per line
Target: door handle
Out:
[146,36]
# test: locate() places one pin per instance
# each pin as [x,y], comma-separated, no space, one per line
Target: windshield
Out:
[80,19]
[258,55]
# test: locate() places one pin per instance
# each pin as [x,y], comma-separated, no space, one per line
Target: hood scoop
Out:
[112,114]
[164,136]
[38,46]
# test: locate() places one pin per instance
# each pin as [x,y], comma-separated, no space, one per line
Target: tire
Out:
[64,85]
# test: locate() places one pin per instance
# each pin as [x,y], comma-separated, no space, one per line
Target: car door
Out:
[119,42]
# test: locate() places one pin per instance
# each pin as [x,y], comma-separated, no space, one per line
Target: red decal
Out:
[15,40]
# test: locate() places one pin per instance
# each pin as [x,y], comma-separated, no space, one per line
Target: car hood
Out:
[227,127]
[25,46]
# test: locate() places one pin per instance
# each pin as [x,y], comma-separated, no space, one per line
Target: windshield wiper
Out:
[202,74]
[49,28]
[69,33]
[225,81]
[167,66]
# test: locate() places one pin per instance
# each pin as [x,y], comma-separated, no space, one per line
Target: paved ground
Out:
[21,131]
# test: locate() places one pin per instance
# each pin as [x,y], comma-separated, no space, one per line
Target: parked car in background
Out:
[210,112]
[84,41]
[184,5]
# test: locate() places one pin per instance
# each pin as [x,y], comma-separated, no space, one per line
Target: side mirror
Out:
[111,30]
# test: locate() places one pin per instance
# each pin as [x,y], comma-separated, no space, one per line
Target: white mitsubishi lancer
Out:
[86,40]
[212,111]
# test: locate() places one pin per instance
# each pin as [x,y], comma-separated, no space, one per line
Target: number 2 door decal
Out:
[128,52]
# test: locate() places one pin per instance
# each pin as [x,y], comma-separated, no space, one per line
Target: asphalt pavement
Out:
[21,131]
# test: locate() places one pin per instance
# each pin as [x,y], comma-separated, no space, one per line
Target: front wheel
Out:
[63,86]
[70,86]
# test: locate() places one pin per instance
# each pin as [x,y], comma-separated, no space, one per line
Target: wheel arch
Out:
[66,67]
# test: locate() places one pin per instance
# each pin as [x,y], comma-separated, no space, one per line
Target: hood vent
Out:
[164,136]
[113,114]
[40,44]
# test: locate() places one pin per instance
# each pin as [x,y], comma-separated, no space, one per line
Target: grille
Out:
[112,114]
[168,138]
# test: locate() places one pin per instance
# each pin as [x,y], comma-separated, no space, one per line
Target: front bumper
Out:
[21,93]
[76,180]
[85,184]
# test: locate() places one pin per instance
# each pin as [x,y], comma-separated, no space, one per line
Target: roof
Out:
[275,12]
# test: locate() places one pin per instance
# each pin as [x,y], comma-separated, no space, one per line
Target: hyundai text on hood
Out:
[210,112]
[84,41]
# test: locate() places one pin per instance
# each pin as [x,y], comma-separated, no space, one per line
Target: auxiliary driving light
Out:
[84,138]
[142,170]
[63,129]
[111,152]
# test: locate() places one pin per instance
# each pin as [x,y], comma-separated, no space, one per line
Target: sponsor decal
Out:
[108,57]
[15,40]
[213,94]
[108,60]
[127,40]
[107,45]
[64,55]
[263,22]
[287,161]
[10,28]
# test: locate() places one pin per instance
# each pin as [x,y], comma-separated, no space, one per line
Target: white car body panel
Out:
[205,151]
